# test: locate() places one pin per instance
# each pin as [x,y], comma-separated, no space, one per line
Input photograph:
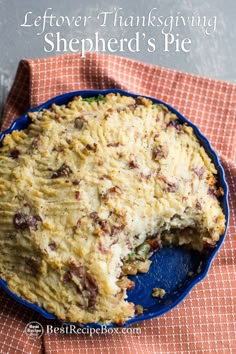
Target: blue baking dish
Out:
[176,270]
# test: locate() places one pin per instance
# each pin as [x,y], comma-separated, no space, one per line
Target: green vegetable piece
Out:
[100,98]
[131,255]
[143,250]
[94,99]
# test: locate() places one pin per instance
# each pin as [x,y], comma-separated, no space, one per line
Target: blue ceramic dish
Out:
[170,266]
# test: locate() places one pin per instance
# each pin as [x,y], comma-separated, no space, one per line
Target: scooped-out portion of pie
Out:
[89,191]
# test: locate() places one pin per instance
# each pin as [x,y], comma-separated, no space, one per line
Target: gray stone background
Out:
[212,56]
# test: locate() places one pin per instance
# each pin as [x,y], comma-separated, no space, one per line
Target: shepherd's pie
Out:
[89,191]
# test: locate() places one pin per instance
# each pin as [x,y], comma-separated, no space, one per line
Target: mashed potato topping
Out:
[89,191]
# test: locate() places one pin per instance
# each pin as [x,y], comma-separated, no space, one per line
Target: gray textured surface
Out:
[213,56]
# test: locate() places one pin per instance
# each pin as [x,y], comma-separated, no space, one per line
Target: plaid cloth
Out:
[205,322]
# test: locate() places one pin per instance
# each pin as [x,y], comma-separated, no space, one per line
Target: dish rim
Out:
[65,98]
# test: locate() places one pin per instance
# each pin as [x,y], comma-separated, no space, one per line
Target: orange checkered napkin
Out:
[205,322]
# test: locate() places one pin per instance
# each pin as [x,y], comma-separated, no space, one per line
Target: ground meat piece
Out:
[78,223]
[172,187]
[104,225]
[105,177]
[33,222]
[109,113]
[113,144]
[94,215]
[198,205]
[160,152]
[79,122]
[77,195]
[199,171]
[14,154]
[145,176]
[78,271]
[32,265]
[114,189]
[23,221]
[101,222]
[156,136]
[53,246]
[132,106]
[76,182]
[90,147]
[102,249]
[111,192]
[176,124]
[91,286]
[87,282]
[35,143]
[133,164]
[143,101]
[154,241]
[63,171]
[117,229]
[58,149]
[67,277]
[212,192]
